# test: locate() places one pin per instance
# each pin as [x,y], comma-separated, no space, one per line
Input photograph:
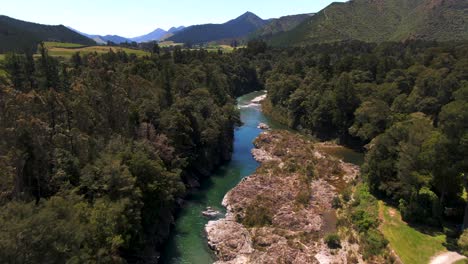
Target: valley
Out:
[331,132]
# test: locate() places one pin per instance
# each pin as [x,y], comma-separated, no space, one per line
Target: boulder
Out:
[263,126]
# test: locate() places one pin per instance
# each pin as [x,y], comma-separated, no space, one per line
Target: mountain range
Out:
[246,26]
[155,35]
[158,34]
[102,40]
[364,20]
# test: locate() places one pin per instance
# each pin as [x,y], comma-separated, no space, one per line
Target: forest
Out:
[97,152]
[405,104]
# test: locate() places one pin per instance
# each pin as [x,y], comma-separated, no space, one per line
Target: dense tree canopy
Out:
[406,102]
[97,151]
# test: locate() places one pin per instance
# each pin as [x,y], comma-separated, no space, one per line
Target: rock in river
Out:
[210,212]
[263,126]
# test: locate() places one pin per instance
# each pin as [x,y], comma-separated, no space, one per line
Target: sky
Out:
[130,18]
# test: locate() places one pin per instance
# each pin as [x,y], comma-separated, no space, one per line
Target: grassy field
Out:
[50,45]
[411,245]
[209,47]
[215,48]
[165,44]
[67,52]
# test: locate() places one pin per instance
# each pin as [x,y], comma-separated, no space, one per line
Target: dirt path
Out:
[447,258]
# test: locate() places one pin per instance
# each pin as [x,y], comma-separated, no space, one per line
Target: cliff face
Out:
[284,210]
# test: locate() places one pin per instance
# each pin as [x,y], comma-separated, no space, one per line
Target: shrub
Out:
[463,243]
[364,221]
[333,241]
[373,243]
[423,207]
[257,214]
[336,202]
[303,197]
[347,195]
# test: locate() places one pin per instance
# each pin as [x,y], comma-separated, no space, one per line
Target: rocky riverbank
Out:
[282,212]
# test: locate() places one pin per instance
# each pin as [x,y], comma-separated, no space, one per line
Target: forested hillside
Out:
[406,103]
[96,152]
[382,20]
[278,25]
[17,35]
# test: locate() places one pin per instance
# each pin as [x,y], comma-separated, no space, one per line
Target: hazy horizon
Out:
[129,19]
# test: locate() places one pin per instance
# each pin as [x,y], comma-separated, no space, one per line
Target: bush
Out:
[423,207]
[257,214]
[333,241]
[303,197]
[463,243]
[347,195]
[364,221]
[373,243]
[336,202]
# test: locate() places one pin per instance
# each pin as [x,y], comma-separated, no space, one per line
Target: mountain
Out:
[99,39]
[175,29]
[157,34]
[279,25]
[382,20]
[236,28]
[115,38]
[18,35]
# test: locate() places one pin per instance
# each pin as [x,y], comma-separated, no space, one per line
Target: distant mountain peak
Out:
[157,34]
[233,29]
[175,29]
[248,15]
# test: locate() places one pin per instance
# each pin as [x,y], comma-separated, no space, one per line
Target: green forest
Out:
[405,103]
[98,151]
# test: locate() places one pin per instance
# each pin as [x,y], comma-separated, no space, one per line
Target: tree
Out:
[371,119]
[156,49]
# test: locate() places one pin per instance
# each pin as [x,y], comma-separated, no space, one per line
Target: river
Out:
[187,243]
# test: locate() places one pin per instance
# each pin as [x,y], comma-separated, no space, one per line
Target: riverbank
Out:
[283,211]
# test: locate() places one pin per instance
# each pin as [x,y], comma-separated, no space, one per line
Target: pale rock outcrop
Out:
[295,185]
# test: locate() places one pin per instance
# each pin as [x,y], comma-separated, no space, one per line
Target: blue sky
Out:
[132,18]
